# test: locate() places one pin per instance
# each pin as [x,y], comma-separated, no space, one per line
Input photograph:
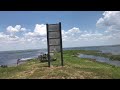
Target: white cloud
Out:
[18,27]
[71,38]
[74,30]
[38,35]
[40,29]
[71,34]
[8,38]
[12,30]
[75,34]
[110,20]
[3,36]
[30,34]
[23,29]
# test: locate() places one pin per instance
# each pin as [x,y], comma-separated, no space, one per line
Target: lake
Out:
[114,50]
[100,59]
[10,57]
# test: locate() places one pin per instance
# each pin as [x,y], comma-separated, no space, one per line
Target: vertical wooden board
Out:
[54,41]
[53,27]
[51,53]
[54,34]
[54,48]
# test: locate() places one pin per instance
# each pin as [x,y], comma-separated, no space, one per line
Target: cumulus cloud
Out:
[23,29]
[30,34]
[40,29]
[71,38]
[71,34]
[12,30]
[8,38]
[111,23]
[38,35]
[75,34]
[3,36]
[110,20]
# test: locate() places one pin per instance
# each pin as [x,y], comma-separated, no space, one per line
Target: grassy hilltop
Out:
[74,68]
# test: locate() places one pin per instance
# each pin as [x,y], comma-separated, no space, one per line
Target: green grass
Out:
[74,68]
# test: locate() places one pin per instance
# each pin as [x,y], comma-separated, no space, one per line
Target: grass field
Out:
[74,68]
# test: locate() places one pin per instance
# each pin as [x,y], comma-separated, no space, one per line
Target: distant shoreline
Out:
[63,48]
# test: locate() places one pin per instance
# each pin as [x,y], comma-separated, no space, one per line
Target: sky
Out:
[21,30]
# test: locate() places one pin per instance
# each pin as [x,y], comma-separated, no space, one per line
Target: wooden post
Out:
[61,44]
[48,46]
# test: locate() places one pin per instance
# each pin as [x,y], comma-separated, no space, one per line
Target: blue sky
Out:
[85,28]
[69,19]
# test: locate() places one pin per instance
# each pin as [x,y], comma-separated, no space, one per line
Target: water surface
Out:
[100,59]
[10,57]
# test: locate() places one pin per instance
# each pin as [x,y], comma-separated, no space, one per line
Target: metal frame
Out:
[48,45]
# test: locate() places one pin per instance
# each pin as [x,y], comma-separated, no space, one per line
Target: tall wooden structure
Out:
[54,41]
